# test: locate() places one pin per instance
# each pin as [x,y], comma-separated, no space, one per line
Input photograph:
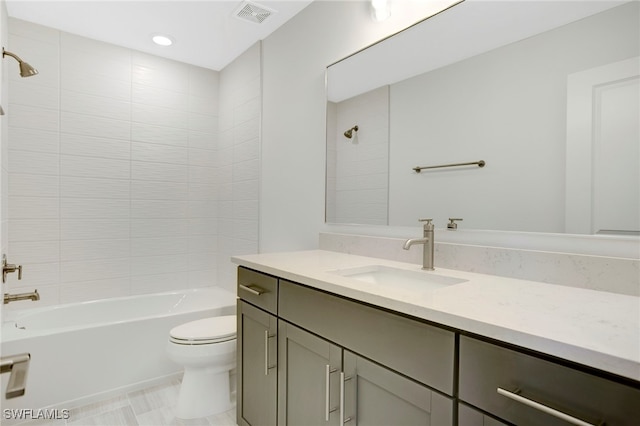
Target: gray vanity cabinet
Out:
[467,416]
[317,377]
[308,378]
[257,334]
[375,395]
[379,350]
[257,376]
[524,389]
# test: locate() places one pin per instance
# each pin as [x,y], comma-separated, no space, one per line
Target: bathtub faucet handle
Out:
[8,268]
[17,365]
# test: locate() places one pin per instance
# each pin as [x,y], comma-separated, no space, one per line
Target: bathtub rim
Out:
[10,331]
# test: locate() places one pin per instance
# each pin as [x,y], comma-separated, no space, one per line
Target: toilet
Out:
[207,350]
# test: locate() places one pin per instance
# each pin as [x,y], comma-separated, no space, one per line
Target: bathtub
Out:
[84,352]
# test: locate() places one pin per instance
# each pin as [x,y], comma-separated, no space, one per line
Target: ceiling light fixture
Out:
[380,10]
[162,40]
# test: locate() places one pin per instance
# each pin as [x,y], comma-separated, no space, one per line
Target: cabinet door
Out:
[308,378]
[375,395]
[257,377]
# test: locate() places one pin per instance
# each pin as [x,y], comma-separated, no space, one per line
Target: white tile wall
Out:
[4,173]
[117,171]
[357,168]
[237,176]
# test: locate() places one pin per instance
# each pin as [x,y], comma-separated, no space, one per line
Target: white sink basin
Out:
[401,278]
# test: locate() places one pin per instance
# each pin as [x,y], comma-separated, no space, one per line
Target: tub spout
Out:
[33,296]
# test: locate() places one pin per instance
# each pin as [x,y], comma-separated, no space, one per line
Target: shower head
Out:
[26,70]
[349,133]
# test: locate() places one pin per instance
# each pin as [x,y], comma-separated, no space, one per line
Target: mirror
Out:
[512,83]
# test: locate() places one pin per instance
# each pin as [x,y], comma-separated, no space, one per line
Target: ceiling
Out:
[206,33]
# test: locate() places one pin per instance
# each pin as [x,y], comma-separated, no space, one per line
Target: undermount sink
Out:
[385,275]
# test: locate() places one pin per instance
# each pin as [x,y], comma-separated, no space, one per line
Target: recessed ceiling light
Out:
[162,40]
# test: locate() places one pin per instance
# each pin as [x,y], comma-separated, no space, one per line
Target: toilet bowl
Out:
[207,350]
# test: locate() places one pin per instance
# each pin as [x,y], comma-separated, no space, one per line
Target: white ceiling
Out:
[206,32]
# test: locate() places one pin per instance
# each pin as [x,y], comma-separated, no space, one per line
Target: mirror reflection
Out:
[546,93]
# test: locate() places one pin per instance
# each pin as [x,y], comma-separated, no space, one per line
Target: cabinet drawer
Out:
[469,417]
[417,350]
[485,368]
[258,289]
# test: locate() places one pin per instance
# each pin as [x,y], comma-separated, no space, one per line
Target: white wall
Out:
[295,58]
[112,170]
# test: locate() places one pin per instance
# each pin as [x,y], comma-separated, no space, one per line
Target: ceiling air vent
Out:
[252,12]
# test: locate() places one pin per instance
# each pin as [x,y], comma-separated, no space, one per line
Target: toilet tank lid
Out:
[206,329]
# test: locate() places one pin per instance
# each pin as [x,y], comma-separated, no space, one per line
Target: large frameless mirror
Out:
[544,93]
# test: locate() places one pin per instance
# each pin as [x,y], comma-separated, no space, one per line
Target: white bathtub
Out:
[86,351]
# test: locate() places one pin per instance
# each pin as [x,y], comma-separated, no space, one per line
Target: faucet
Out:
[427,240]
[8,268]
[33,296]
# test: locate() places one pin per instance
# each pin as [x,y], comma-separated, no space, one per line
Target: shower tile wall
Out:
[114,170]
[4,170]
[358,168]
[239,160]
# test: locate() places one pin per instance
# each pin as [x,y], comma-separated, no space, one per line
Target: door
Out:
[308,386]
[257,376]
[603,150]
[375,395]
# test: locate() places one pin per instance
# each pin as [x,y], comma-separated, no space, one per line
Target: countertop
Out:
[594,328]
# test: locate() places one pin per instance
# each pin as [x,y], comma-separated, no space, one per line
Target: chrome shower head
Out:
[349,133]
[26,70]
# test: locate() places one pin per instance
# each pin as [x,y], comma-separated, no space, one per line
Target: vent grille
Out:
[252,12]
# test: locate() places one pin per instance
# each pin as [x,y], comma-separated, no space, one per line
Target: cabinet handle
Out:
[342,380]
[327,398]
[267,367]
[257,292]
[541,407]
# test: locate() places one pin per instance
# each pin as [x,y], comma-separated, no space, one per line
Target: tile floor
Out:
[147,407]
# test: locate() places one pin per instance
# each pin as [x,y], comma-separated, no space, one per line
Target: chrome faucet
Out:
[33,296]
[427,240]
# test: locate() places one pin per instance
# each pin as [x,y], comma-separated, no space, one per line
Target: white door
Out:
[603,149]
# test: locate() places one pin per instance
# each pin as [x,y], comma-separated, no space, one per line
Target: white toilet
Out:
[207,350]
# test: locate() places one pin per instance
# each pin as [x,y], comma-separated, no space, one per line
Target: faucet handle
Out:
[452,223]
[428,226]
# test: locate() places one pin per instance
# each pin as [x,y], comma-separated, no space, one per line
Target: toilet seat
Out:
[205,331]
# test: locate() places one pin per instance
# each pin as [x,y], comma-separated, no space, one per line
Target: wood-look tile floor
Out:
[153,406]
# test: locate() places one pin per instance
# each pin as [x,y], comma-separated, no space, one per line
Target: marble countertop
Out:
[593,328]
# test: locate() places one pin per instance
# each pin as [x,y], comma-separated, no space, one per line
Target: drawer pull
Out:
[541,407]
[251,290]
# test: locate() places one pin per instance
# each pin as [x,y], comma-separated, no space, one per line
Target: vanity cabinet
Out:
[528,390]
[257,334]
[379,352]
[308,378]
[317,378]
[468,416]
[308,357]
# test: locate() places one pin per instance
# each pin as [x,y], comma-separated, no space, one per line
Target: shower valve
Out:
[8,268]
